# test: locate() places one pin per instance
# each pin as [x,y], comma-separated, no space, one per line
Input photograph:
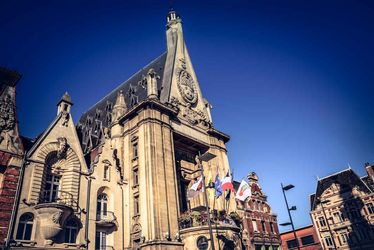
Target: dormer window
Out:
[97,114]
[108,107]
[108,118]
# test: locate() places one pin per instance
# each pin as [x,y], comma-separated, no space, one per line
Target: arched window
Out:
[51,188]
[25,224]
[71,231]
[102,205]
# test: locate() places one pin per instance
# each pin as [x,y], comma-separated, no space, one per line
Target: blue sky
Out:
[292,82]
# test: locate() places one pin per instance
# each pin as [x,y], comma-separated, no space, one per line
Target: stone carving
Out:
[7,114]
[192,116]
[131,94]
[150,82]
[56,217]
[106,133]
[62,148]
[65,119]
[8,123]
[186,84]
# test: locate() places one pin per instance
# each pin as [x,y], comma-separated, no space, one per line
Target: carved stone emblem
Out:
[194,117]
[186,84]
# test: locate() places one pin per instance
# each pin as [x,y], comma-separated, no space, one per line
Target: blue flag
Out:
[217,186]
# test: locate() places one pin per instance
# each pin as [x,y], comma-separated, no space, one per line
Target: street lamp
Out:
[206,157]
[293,208]
[327,219]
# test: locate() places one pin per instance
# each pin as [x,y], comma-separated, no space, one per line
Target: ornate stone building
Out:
[260,227]
[11,150]
[342,210]
[118,178]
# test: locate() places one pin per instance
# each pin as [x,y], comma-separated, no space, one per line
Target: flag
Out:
[244,191]
[217,186]
[228,194]
[195,189]
[227,183]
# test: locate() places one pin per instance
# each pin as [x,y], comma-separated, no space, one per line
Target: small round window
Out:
[202,243]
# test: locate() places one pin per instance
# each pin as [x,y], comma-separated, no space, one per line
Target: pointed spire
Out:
[66,97]
[120,107]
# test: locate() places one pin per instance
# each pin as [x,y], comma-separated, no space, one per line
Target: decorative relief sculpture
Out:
[56,217]
[186,84]
[62,148]
[65,119]
[8,123]
[194,117]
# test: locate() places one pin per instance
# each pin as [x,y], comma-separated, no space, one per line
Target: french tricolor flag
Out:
[226,183]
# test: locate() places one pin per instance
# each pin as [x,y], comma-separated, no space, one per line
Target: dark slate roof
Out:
[92,123]
[347,179]
[311,201]
[66,98]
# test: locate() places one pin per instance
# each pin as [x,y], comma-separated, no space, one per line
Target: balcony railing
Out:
[195,219]
[106,218]
[60,197]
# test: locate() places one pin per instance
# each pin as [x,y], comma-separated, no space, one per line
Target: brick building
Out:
[306,237]
[11,150]
[260,228]
[342,210]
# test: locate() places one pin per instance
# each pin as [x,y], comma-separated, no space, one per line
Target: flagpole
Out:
[206,201]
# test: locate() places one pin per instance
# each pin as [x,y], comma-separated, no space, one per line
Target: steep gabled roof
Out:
[346,178]
[98,117]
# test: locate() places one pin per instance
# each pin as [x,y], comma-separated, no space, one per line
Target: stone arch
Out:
[106,190]
[61,156]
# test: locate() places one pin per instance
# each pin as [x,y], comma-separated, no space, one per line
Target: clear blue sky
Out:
[292,82]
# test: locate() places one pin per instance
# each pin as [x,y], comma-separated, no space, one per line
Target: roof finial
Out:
[172,17]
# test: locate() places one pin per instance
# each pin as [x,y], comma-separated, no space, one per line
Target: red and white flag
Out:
[244,191]
[226,183]
[195,189]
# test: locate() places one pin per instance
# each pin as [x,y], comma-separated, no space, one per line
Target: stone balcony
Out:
[52,210]
[106,219]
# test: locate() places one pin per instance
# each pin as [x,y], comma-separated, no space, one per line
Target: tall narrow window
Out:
[328,241]
[51,187]
[136,176]
[322,221]
[370,208]
[344,238]
[136,205]
[254,225]
[263,226]
[338,217]
[71,230]
[271,227]
[25,224]
[106,172]
[102,206]
[135,150]
[100,241]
